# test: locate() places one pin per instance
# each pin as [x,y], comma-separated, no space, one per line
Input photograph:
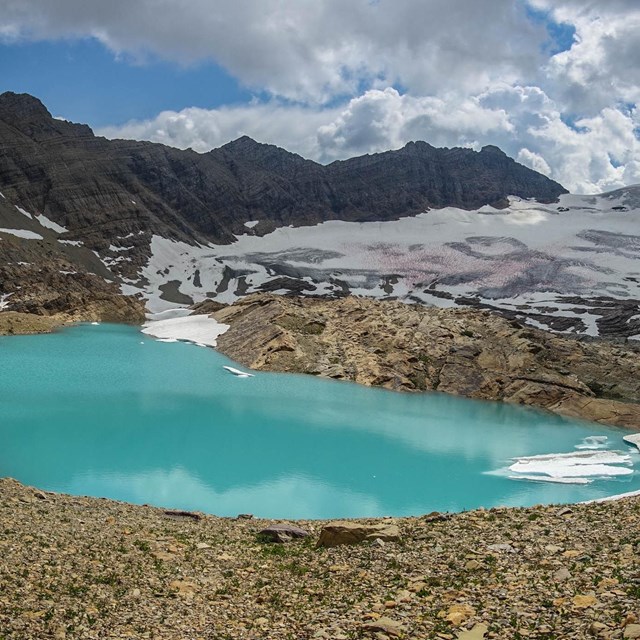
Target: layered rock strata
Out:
[102,189]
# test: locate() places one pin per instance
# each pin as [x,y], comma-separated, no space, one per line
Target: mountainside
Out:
[102,189]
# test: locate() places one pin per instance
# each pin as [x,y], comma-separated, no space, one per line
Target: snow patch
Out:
[3,300]
[73,243]
[199,329]
[50,224]
[24,213]
[23,233]
[251,223]
[168,314]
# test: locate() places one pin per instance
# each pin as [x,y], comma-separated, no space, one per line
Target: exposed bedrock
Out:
[102,189]
[467,352]
[39,298]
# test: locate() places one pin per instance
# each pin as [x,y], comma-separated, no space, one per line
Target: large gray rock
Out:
[337,533]
[282,533]
[386,626]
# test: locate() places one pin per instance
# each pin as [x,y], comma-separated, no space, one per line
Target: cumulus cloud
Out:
[603,64]
[534,161]
[291,126]
[380,120]
[307,50]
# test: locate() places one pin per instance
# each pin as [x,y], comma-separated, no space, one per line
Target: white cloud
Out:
[309,50]
[291,126]
[603,65]
[380,120]
[534,161]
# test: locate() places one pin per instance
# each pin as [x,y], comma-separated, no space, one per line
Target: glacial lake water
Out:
[106,411]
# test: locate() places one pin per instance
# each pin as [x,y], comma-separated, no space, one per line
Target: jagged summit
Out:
[243,143]
[29,116]
[260,154]
[491,148]
[21,106]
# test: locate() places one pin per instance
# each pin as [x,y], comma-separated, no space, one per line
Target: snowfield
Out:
[198,329]
[25,234]
[562,266]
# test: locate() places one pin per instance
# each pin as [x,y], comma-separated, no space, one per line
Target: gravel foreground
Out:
[76,567]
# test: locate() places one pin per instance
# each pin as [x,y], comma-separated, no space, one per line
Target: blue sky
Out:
[554,83]
[85,82]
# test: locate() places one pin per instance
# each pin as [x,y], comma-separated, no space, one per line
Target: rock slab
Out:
[282,533]
[338,533]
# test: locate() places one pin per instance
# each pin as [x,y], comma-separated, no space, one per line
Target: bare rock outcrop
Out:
[413,348]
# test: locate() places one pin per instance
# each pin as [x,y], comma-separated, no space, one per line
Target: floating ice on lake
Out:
[593,442]
[550,479]
[582,464]
[633,439]
[237,372]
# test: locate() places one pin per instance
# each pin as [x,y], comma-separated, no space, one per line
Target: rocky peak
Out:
[259,155]
[492,149]
[21,106]
[28,115]
[418,147]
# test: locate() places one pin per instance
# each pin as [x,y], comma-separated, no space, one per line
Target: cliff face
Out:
[413,348]
[102,189]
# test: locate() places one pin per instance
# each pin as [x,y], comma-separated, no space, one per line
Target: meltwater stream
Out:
[106,411]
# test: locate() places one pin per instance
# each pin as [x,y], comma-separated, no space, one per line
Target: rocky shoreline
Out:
[467,352]
[77,567]
[45,298]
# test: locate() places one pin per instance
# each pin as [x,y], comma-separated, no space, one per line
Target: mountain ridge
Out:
[86,182]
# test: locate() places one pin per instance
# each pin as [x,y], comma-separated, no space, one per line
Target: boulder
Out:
[337,533]
[282,533]
[385,625]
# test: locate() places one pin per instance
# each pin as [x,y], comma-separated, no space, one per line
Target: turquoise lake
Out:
[107,411]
